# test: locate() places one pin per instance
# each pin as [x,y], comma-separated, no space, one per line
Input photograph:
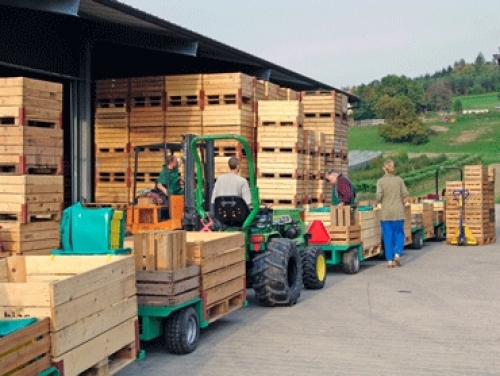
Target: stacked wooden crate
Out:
[407,224]
[90,300]
[228,108]
[184,95]
[371,236]
[31,152]
[479,206]
[343,228]
[324,112]
[162,272]
[422,217]
[281,173]
[221,257]
[111,140]
[24,350]
[147,126]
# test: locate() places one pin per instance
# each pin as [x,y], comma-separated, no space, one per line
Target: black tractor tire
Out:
[313,268]
[350,261]
[182,331]
[417,241]
[277,274]
[439,233]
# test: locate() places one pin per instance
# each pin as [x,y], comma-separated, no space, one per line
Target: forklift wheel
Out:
[417,240]
[438,234]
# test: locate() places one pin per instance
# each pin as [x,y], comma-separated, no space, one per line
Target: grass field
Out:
[482,101]
[474,133]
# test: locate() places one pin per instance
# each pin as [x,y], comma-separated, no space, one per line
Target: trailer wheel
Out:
[277,274]
[313,268]
[417,241]
[350,261]
[182,331]
[439,233]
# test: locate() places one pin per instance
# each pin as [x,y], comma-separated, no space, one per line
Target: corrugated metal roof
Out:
[113,11]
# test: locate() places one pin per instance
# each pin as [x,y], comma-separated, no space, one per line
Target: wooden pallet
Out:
[223,292]
[291,201]
[224,307]
[113,102]
[372,251]
[26,351]
[115,362]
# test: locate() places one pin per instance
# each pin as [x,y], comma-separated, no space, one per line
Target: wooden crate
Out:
[112,191]
[91,302]
[280,113]
[239,84]
[371,234]
[30,238]
[111,139]
[322,101]
[28,197]
[147,85]
[341,235]
[111,117]
[423,216]
[342,216]
[476,173]
[168,288]
[26,351]
[281,187]
[112,87]
[160,250]
[184,100]
[31,102]
[324,217]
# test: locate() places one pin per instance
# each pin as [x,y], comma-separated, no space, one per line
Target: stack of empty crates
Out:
[281,172]
[326,112]
[31,154]
[228,108]
[111,140]
[479,206]
[147,126]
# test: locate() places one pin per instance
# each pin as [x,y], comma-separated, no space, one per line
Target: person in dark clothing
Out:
[342,192]
[174,180]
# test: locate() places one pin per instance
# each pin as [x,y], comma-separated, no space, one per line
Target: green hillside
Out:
[481,101]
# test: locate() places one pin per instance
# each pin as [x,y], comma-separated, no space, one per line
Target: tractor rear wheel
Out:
[439,233]
[182,331]
[313,268]
[350,261]
[277,273]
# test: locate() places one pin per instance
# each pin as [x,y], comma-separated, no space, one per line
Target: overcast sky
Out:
[344,42]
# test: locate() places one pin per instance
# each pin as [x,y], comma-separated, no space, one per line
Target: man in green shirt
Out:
[174,180]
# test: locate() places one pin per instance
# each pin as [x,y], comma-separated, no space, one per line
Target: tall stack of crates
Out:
[184,95]
[31,154]
[228,108]
[281,157]
[326,112]
[111,140]
[147,126]
[479,208]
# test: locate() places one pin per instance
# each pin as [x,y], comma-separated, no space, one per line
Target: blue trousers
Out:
[393,235]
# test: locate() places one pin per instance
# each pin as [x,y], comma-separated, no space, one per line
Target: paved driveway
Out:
[439,314]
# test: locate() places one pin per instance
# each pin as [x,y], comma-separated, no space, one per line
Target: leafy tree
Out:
[438,96]
[457,106]
[401,125]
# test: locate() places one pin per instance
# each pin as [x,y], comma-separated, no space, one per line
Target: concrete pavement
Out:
[439,314]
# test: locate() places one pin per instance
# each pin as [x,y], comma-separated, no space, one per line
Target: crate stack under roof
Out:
[147,126]
[326,112]
[479,207]
[281,153]
[184,106]
[228,108]
[31,165]
[111,127]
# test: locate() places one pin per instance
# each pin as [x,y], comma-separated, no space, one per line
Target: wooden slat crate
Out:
[30,238]
[26,198]
[438,207]
[407,224]
[324,217]
[218,83]
[160,250]
[245,130]
[342,216]
[168,288]
[147,116]
[371,235]
[184,100]
[91,302]
[423,216]
[476,173]
[110,139]
[221,257]
[283,202]
[146,136]
[322,101]
[26,351]
[27,101]
[26,150]
[111,117]
[281,187]
[112,191]
[147,85]
[340,235]
[280,112]
[112,88]
[272,138]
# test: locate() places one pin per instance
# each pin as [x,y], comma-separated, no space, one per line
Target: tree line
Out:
[399,99]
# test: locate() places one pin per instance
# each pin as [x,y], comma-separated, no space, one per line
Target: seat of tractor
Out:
[231,210]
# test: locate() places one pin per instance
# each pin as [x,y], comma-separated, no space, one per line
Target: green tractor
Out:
[279,259]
